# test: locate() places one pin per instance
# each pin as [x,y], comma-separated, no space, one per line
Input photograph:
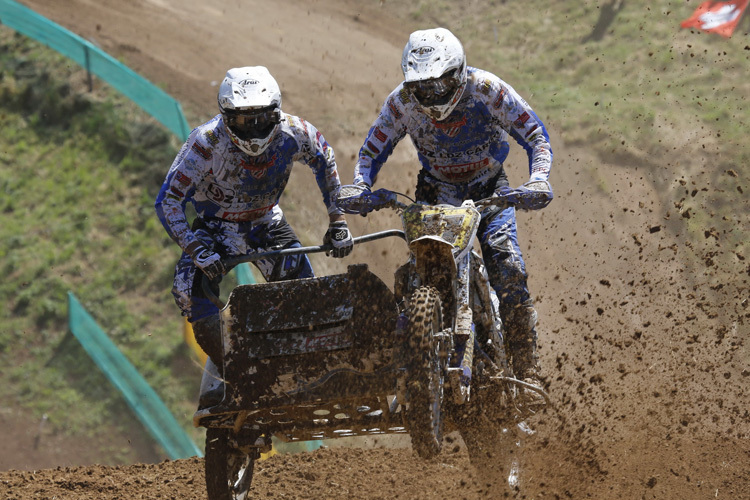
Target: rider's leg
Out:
[520,326]
[507,272]
[212,386]
[203,316]
[280,235]
[202,313]
[207,333]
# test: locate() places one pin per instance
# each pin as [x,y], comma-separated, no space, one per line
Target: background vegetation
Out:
[79,172]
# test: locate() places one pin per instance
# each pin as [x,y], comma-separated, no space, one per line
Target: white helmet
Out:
[250,105]
[434,66]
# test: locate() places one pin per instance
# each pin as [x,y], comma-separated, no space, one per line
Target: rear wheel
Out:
[426,373]
[229,471]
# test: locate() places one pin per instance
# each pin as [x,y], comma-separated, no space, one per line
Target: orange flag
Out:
[717,17]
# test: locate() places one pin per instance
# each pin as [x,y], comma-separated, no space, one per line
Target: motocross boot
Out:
[207,333]
[520,327]
[212,386]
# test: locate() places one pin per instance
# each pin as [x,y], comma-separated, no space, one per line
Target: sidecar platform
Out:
[310,359]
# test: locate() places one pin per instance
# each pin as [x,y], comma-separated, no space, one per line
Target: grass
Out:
[639,94]
[79,173]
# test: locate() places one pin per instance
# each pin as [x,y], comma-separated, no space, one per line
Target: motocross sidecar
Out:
[309,359]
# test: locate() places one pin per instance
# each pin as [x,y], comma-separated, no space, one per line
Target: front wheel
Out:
[424,385]
[229,471]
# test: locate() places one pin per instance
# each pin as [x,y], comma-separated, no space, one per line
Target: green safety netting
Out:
[139,395]
[148,96]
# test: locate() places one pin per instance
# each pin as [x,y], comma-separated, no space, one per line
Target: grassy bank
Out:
[78,173]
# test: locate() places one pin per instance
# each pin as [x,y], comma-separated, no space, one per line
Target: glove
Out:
[354,199]
[340,238]
[535,195]
[503,191]
[208,261]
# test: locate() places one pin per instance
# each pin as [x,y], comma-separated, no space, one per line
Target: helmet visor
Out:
[435,91]
[249,124]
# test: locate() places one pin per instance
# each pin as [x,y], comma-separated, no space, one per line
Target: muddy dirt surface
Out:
[643,334]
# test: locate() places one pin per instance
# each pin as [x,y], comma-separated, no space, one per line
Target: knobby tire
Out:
[426,373]
[229,471]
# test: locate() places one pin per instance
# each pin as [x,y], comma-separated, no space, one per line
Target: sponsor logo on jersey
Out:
[530,137]
[499,100]
[450,129]
[322,141]
[379,135]
[201,151]
[447,155]
[462,171]
[404,96]
[372,147]
[246,215]
[304,126]
[394,109]
[521,120]
[211,137]
[219,194]
[485,87]
[183,179]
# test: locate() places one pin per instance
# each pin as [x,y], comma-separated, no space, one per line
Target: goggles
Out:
[252,123]
[435,91]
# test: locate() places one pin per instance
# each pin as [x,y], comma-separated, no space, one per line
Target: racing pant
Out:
[505,266]
[232,239]
[507,273]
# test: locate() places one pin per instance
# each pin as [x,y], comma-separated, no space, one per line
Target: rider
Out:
[233,169]
[459,119]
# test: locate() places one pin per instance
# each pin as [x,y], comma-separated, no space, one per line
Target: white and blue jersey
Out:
[222,182]
[462,158]
[236,198]
[468,148]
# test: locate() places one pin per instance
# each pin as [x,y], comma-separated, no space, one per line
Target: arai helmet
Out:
[250,105]
[434,66]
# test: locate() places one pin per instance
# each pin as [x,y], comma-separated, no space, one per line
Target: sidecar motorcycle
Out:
[343,355]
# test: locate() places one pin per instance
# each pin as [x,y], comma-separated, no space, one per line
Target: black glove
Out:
[340,238]
[208,261]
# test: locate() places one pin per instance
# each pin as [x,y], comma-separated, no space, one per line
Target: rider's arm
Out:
[177,189]
[319,155]
[519,120]
[387,130]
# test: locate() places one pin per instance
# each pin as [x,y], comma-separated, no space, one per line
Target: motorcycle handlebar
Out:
[231,262]
[359,201]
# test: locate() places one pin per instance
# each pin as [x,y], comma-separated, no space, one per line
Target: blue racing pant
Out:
[231,239]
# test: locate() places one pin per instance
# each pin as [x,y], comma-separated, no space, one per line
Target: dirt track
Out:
[645,355]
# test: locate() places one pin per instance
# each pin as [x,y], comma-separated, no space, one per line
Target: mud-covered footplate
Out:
[314,420]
